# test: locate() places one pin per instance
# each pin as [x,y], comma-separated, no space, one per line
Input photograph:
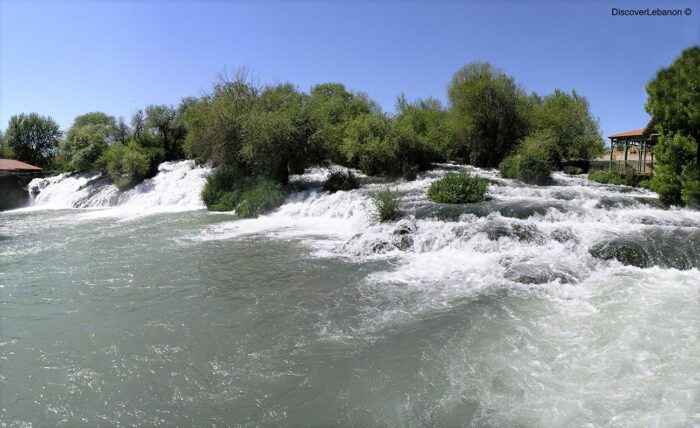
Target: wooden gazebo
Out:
[644,139]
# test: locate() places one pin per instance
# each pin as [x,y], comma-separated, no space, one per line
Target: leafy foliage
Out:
[32,138]
[690,180]
[673,153]
[533,161]
[126,164]
[330,107]
[261,197]
[489,114]
[509,167]
[341,180]
[386,205]
[674,103]
[86,140]
[458,188]
[674,98]
[606,177]
[228,190]
[6,151]
[567,117]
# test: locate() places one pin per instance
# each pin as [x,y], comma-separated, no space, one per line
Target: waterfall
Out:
[176,187]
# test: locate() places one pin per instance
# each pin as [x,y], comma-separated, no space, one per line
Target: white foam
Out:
[177,187]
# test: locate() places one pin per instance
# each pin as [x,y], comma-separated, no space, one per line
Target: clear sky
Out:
[64,58]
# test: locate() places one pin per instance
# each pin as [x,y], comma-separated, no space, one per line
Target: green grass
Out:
[458,188]
[386,205]
[263,196]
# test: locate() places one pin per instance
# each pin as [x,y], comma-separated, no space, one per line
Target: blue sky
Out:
[67,58]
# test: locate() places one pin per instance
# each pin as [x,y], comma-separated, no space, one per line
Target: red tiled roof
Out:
[635,133]
[647,130]
[15,165]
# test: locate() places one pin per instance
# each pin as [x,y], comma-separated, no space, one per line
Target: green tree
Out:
[86,140]
[568,118]
[489,113]
[330,108]
[535,157]
[126,164]
[284,150]
[167,130]
[5,150]
[33,138]
[429,121]
[674,103]
[365,145]
[674,97]
[674,152]
[215,122]
[122,132]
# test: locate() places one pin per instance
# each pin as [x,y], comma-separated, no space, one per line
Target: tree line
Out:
[263,133]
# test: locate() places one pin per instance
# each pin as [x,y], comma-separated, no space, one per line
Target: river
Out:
[575,304]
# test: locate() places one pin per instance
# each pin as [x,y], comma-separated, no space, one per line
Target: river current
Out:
[575,304]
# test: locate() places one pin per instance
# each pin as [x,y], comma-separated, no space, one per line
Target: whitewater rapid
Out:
[176,187]
[570,304]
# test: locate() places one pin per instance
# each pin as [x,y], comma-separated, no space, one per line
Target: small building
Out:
[11,166]
[14,176]
[639,142]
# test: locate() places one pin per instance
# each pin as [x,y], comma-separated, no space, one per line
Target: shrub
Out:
[606,177]
[457,188]
[386,205]
[534,169]
[691,185]
[259,198]
[535,158]
[509,167]
[127,165]
[217,193]
[644,183]
[673,153]
[341,180]
[227,190]
[572,170]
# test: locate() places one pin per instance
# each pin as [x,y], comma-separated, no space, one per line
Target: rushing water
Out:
[567,305]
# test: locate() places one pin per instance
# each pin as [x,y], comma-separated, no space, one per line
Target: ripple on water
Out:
[561,305]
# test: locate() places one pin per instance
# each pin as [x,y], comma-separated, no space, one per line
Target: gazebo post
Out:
[624,169]
[612,147]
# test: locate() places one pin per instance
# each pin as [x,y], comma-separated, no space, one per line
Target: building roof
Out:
[15,165]
[651,127]
[647,131]
[634,133]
